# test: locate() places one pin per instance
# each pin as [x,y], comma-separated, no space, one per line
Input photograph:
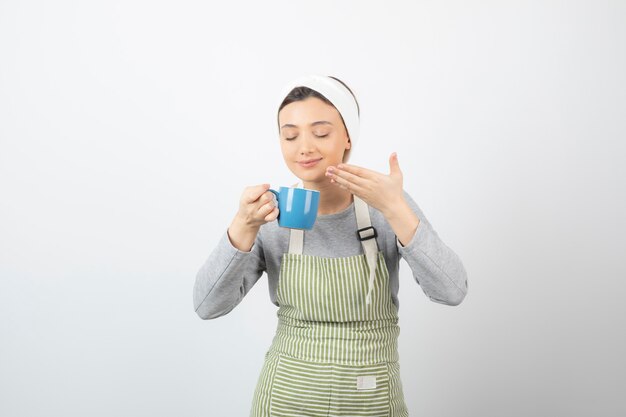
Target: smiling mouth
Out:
[309,164]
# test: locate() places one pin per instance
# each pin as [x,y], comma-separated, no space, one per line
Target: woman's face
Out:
[312,129]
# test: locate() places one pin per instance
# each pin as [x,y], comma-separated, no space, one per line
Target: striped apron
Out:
[333,354]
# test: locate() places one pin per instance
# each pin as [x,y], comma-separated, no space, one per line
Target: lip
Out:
[312,162]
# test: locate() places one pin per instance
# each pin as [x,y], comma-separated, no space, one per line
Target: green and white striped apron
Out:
[333,354]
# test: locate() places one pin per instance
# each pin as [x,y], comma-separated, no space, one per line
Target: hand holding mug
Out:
[257,206]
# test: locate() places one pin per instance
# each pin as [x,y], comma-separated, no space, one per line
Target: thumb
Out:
[394,165]
[257,191]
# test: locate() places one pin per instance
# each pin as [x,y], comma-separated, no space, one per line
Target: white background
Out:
[129,129]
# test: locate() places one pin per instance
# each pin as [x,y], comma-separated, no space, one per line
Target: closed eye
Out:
[315,136]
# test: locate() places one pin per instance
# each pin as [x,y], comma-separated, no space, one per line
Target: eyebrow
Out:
[319,122]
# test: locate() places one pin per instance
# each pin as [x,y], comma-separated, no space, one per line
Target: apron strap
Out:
[366,233]
[296,236]
[296,241]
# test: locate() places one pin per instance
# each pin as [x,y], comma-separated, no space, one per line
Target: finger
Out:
[353,178]
[266,196]
[394,165]
[255,192]
[272,215]
[343,183]
[266,208]
[357,170]
[272,197]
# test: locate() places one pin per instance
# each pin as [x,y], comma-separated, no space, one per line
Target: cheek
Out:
[338,146]
[287,151]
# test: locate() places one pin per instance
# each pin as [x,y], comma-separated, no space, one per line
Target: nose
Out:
[307,144]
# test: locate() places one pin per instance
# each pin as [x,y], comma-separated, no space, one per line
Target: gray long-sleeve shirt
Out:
[229,273]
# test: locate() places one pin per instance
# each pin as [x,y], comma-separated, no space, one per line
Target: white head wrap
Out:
[336,93]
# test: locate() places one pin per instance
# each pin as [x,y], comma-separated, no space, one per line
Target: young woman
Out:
[336,285]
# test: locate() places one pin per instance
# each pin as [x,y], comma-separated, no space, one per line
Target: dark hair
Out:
[302,93]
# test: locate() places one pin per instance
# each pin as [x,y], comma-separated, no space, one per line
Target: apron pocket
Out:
[301,388]
[361,390]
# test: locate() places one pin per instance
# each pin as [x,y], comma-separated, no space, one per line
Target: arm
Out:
[436,267]
[228,274]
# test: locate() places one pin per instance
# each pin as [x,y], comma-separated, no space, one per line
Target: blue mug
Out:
[297,207]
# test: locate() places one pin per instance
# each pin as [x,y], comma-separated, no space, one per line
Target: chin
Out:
[311,175]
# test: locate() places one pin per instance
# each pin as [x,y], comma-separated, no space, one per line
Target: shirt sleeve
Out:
[226,277]
[436,268]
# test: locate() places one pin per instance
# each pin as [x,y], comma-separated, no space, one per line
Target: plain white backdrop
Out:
[129,129]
